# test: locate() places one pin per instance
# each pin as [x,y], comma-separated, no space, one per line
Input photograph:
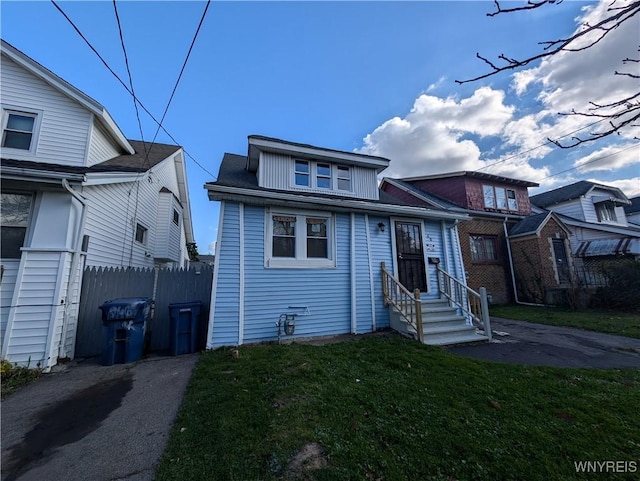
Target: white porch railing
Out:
[472,303]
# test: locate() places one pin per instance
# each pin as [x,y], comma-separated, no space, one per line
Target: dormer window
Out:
[606,211]
[303,178]
[499,198]
[344,178]
[322,175]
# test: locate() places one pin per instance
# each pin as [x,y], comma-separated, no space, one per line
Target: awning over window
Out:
[609,247]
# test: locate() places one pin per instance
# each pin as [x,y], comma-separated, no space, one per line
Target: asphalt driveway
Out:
[523,342]
[91,422]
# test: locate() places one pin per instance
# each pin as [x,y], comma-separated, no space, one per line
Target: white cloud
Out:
[570,80]
[429,138]
[609,158]
[630,187]
[211,248]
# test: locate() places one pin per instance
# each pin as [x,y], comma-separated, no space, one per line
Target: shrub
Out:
[14,376]
[622,289]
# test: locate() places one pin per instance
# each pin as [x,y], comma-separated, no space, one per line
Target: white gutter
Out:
[513,274]
[50,176]
[71,284]
[239,194]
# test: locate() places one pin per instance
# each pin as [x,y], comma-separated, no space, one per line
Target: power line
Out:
[127,88]
[539,146]
[588,162]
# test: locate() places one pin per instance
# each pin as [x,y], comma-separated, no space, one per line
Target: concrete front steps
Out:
[441,325]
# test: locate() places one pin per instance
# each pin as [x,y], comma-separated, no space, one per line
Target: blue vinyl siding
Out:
[364,319]
[270,291]
[226,310]
[380,251]
[432,233]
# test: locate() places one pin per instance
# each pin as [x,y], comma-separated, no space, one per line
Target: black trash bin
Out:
[186,336]
[124,323]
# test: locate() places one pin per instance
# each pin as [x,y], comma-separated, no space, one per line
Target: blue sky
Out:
[374,77]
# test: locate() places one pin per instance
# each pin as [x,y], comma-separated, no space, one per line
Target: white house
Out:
[595,215]
[75,193]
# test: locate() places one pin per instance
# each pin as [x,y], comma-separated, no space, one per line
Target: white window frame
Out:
[301,261]
[27,225]
[37,116]
[498,194]
[609,208]
[334,178]
[145,234]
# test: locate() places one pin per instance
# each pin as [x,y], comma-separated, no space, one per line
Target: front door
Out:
[562,261]
[410,256]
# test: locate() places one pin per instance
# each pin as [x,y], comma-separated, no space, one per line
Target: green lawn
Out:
[610,322]
[388,408]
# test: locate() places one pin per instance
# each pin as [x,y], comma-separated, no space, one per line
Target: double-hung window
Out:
[606,211]
[499,198]
[19,130]
[299,239]
[16,210]
[484,248]
[321,175]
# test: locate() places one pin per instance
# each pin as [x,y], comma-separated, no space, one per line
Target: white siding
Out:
[276,172]
[37,309]
[64,127]
[101,146]
[574,208]
[168,233]
[6,291]
[111,219]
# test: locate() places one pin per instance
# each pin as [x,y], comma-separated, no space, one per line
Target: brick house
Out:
[494,203]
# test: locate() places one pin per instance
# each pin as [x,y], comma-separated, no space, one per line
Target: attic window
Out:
[302,173]
[499,198]
[606,211]
[18,130]
[344,178]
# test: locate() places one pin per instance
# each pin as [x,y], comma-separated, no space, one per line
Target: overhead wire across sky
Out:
[104,62]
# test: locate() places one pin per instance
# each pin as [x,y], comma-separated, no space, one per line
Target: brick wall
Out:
[534,263]
[494,276]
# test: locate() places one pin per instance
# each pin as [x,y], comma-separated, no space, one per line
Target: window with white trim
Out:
[344,178]
[141,234]
[499,198]
[14,219]
[606,211]
[302,173]
[321,175]
[299,239]
[19,130]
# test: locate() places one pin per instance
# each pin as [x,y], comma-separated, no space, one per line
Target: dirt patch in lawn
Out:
[310,457]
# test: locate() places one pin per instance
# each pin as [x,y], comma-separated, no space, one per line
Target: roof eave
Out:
[239,194]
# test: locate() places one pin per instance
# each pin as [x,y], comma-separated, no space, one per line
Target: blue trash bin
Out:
[185,327]
[124,323]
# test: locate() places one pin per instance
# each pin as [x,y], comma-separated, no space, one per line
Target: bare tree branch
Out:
[618,113]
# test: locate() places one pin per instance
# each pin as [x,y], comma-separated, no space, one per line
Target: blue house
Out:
[307,239]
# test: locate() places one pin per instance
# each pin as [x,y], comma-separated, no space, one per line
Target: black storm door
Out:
[411,267]
[562,261]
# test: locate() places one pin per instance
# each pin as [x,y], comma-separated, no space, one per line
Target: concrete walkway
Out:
[91,422]
[521,342]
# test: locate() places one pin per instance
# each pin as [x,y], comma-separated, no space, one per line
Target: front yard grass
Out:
[609,322]
[388,408]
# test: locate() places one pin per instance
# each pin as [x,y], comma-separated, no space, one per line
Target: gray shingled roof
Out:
[634,207]
[137,162]
[528,225]
[233,173]
[123,163]
[568,192]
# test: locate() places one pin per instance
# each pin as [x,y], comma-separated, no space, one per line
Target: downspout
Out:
[513,274]
[71,284]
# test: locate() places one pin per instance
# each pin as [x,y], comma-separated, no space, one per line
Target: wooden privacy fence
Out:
[164,286]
